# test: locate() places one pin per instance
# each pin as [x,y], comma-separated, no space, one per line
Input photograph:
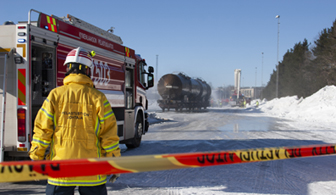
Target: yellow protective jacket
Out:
[76,121]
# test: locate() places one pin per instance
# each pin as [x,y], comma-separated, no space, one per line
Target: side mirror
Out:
[150,69]
[150,80]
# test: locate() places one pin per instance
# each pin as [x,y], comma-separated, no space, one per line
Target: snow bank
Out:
[319,107]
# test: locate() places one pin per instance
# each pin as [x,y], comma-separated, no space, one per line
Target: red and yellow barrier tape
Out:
[29,170]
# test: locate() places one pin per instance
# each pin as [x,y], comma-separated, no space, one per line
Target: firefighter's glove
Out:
[114,178]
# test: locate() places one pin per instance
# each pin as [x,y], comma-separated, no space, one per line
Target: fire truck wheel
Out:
[135,142]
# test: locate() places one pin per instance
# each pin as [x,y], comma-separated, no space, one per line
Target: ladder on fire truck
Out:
[108,34]
[3,104]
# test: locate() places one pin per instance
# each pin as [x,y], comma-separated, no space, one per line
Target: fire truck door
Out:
[129,102]
[43,63]
[3,71]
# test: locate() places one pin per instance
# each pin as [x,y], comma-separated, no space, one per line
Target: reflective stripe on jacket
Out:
[76,121]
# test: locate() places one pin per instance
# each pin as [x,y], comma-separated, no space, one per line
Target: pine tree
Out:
[325,53]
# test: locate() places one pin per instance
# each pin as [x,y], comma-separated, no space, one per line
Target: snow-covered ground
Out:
[317,110]
[287,121]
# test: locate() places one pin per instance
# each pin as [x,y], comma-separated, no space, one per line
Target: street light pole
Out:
[277,65]
[262,66]
[255,87]
[157,66]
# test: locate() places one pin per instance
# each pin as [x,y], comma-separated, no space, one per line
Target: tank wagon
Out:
[179,91]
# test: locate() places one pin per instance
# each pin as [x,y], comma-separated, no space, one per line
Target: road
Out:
[222,129]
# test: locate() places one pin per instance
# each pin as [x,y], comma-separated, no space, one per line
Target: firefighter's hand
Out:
[114,178]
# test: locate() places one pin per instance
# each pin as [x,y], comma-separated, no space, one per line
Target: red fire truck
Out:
[32,54]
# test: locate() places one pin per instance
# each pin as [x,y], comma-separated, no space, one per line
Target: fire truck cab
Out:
[32,54]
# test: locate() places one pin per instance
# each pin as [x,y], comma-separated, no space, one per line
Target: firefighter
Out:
[76,121]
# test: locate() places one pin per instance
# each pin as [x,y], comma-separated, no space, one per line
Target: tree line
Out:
[306,67]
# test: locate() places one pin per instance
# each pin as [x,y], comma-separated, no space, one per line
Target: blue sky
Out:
[206,39]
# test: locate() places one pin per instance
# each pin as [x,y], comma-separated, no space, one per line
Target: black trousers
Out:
[70,190]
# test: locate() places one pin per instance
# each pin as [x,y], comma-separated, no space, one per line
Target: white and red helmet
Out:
[79,56]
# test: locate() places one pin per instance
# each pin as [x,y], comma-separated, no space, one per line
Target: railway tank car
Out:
[179,91]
